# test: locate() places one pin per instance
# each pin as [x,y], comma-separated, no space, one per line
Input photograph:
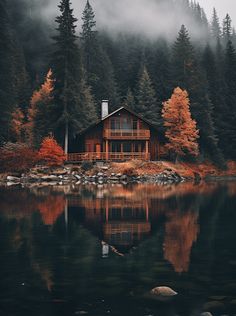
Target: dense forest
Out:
[54,74]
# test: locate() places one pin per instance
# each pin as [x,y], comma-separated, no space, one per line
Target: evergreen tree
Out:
[227,28]
[188,75]
[98,67]
[33,32]
[89,38]
[159,68]
[181,129]
[216,91]
[146,100]
[7,72]
[87,101]
[215,26]
[230,80]
[129,101]
[66,69]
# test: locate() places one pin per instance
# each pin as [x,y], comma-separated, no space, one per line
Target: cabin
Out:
[119,136]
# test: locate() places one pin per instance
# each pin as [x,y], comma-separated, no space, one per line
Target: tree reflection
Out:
[181,231]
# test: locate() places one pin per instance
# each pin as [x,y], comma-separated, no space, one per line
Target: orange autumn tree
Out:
[181,129]
[18,125]
[39,124]
[51,153]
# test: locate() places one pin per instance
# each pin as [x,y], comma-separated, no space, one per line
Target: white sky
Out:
[222,7]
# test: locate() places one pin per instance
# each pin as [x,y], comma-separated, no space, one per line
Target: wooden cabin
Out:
[118,136]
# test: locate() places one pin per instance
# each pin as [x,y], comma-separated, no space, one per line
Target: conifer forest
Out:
[55,71]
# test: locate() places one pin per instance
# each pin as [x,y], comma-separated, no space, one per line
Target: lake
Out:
[99,250]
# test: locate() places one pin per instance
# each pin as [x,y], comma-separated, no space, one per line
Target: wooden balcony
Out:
[125,134]
[91,156]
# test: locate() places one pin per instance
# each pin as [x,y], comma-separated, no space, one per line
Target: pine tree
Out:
[146,100]
[227,28]
[183,59]
[216,91]
[98,67]
[230,80]
[7,73]
[89,108]
[181,130]
[215,26]
[66,68]
[188,75]
[129,101]
[89,38]
[159,68]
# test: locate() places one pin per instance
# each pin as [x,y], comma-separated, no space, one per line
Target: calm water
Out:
[89,250]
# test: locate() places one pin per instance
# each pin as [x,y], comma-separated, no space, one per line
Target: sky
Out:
[222,7]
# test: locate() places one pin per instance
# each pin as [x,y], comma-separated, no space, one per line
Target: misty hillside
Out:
[133,53]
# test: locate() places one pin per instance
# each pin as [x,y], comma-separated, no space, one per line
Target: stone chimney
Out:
[104,108]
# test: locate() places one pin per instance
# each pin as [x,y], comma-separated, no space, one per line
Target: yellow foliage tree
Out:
[181,129]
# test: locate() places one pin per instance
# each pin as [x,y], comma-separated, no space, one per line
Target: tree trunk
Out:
[66,138]
[177,159]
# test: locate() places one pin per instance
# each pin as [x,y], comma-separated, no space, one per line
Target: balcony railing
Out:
[91,156]
[126,134]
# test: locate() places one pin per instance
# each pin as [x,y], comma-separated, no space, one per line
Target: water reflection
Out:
[59,244]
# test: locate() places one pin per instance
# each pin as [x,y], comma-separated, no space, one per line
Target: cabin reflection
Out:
[120,221]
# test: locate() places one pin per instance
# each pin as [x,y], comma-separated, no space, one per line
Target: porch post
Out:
[146,150]
[107,150]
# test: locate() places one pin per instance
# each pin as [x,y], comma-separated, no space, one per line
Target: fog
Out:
[222,7]
[152,18]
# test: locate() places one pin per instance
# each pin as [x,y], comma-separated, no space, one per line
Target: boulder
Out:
[13,179]
[49,178]
[60,172]
[123,177]
[163,291]
[78,177]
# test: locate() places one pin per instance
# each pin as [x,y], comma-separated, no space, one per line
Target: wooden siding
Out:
[122,136]
[93,138]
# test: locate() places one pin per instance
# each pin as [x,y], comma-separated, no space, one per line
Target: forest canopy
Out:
[140,68]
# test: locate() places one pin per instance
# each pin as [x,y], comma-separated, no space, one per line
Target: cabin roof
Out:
[113,113]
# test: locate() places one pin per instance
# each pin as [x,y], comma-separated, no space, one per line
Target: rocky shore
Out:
[98,175]
[134,171]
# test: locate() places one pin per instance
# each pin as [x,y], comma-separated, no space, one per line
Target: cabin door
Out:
[98,151]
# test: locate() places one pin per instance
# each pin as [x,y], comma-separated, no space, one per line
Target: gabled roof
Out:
[113,113]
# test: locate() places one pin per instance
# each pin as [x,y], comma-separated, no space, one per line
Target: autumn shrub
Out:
[130,172]
[17,157]
[51,153]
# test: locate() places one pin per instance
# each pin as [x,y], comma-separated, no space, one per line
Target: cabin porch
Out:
[106,156]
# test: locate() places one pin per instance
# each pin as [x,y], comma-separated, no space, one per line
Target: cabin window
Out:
[127,123]
[116,147]
[115,123]
[135,124]
[127,147]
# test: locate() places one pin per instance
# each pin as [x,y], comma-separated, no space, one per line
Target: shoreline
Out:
[119,173]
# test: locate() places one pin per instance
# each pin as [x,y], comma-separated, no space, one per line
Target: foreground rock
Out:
[163,291]
[68,176]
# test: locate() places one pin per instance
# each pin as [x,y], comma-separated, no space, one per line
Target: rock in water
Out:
[163,291]
[206,314]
